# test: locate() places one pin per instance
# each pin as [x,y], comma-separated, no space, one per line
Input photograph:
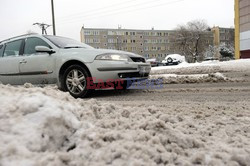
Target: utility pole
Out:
[43,27]
[53,18]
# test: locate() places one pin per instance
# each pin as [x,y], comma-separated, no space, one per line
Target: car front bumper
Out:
[103,70]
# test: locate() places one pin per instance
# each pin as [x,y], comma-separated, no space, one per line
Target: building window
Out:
[96,40]
[153,41]
[111,41]
[132,33]
[111,48]
[159,33]
[86,32]
[95,33]
[87,40]
[154,48]
[159,40]
[133,48]
[165,34]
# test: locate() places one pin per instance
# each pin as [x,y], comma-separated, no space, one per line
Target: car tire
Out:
[75,81]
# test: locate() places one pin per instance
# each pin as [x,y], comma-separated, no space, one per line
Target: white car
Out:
[173,59]
[75,67]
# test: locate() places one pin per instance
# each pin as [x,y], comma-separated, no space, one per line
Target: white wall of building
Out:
[245,40]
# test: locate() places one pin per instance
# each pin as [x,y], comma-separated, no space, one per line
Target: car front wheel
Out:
[75,81]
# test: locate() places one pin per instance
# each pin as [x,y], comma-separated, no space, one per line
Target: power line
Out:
[98,10]
[86,15]
[119,11]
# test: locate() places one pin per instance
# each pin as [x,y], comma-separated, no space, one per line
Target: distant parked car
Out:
[153,62]
[44,59]
[210,59]
[173,59]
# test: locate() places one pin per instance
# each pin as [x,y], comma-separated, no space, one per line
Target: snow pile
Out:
[193,78]
[204,67]
[33,123]
[44,126]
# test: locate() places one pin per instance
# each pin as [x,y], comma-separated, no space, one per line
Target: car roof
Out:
[19,37]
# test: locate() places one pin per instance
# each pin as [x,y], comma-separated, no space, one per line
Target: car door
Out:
[37,67]
[9,62]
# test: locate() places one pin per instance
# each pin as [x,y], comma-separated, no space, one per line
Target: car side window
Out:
[31,44]
[12,48]
[1,50]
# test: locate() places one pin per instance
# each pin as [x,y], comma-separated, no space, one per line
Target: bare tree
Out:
[192,39]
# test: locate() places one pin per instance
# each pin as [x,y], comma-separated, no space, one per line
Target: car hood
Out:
[130,54]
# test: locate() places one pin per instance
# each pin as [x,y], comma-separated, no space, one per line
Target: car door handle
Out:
[23,61]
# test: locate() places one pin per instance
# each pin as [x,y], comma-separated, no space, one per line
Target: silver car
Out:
[72,65]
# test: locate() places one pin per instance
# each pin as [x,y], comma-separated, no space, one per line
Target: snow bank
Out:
[44,126]
[32,123]
[204,67]
[194,78]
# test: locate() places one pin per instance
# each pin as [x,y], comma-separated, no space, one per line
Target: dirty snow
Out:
[204,67]
[192,78]
[44,126]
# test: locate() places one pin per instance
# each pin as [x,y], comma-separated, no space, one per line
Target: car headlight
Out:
[114,57]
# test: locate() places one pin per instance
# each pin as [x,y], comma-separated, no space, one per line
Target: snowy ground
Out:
[204,67]
[208,71]
[204,124]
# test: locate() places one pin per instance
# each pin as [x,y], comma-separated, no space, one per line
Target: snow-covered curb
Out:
[194,78]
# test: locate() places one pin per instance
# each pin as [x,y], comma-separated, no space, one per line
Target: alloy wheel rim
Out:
[76,81]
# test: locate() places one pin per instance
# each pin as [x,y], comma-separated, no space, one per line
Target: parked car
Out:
[44,59]
[173,59]
[210,59]
[153,62]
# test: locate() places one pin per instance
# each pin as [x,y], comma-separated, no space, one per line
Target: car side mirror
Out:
[44,49]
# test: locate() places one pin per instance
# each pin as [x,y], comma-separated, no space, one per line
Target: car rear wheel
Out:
[75,81]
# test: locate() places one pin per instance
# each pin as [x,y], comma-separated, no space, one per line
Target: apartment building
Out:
[149,43]
[223,35]
[242,29]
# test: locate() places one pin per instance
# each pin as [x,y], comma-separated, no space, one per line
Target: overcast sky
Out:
[17,16]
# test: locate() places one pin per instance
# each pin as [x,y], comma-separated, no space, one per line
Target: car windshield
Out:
[63,42]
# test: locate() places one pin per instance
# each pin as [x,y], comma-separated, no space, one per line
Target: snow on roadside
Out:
[192,78]
[32,123]
[205,67]
[44,126]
